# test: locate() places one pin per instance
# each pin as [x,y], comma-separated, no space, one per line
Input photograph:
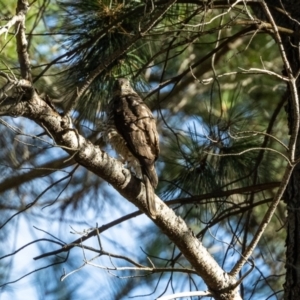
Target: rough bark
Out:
[221,284]
[288,17]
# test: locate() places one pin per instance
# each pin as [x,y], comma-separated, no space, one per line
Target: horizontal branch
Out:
[219,194]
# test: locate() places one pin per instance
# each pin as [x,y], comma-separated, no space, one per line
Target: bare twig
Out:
[177,78]
[94,232]
[254,71]
[22,50]
[186,294]
[13,21]
[254,133]
[249,150]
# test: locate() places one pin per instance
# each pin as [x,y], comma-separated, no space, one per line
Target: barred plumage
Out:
[132,132]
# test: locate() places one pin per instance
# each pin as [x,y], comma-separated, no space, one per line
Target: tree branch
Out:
[23,55]
[112,170]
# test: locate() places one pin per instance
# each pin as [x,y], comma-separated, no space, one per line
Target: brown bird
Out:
[132,132]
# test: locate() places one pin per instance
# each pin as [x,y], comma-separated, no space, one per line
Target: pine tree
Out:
[221,77]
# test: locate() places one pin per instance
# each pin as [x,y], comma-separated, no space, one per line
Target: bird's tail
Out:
[150,196]
[150,171]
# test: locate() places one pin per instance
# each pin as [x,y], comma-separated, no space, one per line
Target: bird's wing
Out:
[135,122]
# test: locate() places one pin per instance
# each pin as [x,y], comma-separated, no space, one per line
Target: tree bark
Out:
[222,285]
[286,13]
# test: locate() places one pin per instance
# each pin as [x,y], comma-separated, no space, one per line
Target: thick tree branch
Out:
[112,170]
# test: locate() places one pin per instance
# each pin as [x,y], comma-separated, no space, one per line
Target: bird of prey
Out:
[132,133]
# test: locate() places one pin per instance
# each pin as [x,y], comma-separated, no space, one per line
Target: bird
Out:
[131,131]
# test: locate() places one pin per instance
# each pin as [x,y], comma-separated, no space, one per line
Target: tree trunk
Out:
[292,194]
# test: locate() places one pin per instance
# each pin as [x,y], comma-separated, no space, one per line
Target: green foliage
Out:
[215,123]
[100,35]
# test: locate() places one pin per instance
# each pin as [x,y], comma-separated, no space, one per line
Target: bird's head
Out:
[122,87]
